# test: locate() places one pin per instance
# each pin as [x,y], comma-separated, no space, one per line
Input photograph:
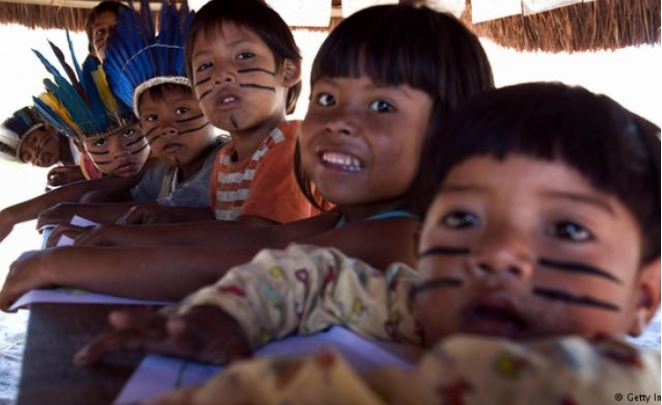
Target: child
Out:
[380,118]
[84,107]
[149,74]
[541,247]
[100,21]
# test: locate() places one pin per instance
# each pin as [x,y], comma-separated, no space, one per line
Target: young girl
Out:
[368,122]
[535,259]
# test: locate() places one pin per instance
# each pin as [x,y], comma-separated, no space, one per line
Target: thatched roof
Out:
[599,24]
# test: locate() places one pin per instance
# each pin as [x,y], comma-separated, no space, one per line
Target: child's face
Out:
[236,81]
[41,148]
[121,154]
[526,248]
[103,23]
[361,141]
[175,128]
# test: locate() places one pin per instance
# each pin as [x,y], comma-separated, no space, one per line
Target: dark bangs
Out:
[617,151]
[402,44]
[158,92]
[256,16]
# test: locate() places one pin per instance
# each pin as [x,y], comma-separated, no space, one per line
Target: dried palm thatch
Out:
[599,24]
[38,16]
[596,25]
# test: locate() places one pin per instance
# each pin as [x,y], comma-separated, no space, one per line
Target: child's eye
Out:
[381,106]
[150,118]
[203,66]
[100,142]
[182,110]
[460,220]
[571,231]
[129,132]
[245,55]
[326,100]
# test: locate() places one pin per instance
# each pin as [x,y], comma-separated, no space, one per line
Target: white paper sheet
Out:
[157,374]
[530,7]
[73,296]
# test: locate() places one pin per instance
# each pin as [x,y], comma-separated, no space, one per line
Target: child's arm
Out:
[279,293]
[30,209]
[471,370]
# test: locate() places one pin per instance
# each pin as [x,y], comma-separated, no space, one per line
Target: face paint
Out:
[188,131]
[135,142]
[440,282]
[202,81]
[577,268]
[444,250]
[257,86]
[206,93]
[568,298]
[248,70]
[190,119]
[233,120]
[148,134]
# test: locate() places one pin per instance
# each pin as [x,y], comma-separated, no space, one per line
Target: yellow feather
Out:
[59,109]
[106,95]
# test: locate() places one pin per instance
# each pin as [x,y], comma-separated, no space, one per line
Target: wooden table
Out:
[55,333]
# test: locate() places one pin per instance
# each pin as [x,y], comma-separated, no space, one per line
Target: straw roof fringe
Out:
[36,16]
[596,25]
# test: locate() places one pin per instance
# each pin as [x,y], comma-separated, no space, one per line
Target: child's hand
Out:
[61,175]
[25,274]
[205,333]
[72,231]
[146,214]
[100,235]
[6,225]
[58,214]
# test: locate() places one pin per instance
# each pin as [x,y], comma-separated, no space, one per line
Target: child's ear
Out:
[648,296]
[291,73]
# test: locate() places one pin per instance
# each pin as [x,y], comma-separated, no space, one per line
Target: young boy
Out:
[179,135]
[540,249]
[25,137]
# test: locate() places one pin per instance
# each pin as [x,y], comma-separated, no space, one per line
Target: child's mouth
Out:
[172,148]
[226,101]
[495,319]
[341,161]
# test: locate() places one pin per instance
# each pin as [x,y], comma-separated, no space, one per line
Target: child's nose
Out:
[502,255]
[342,124]
[116,147]
[168,131]
[224,77]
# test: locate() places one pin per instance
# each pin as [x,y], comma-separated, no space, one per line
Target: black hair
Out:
[158,92]
[405,44]
[106,6]
[617,151]
[257,16]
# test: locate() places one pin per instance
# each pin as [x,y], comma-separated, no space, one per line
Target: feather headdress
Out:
[81,106]
[137,58]
[15,129]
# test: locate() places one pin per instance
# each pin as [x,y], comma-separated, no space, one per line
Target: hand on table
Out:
[25,273]
[205,333]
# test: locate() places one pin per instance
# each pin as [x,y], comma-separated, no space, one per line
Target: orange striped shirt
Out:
[261,185]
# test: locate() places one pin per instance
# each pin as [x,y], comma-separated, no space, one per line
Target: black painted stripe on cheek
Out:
[140,150]
[249,70]
[257,86]
[444,251]
[135,141]
[441,282]
[102,162]
[571,299]
[190,119]
[202,81]
[578,268]
[98,153]
[205,94]
[192,130]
